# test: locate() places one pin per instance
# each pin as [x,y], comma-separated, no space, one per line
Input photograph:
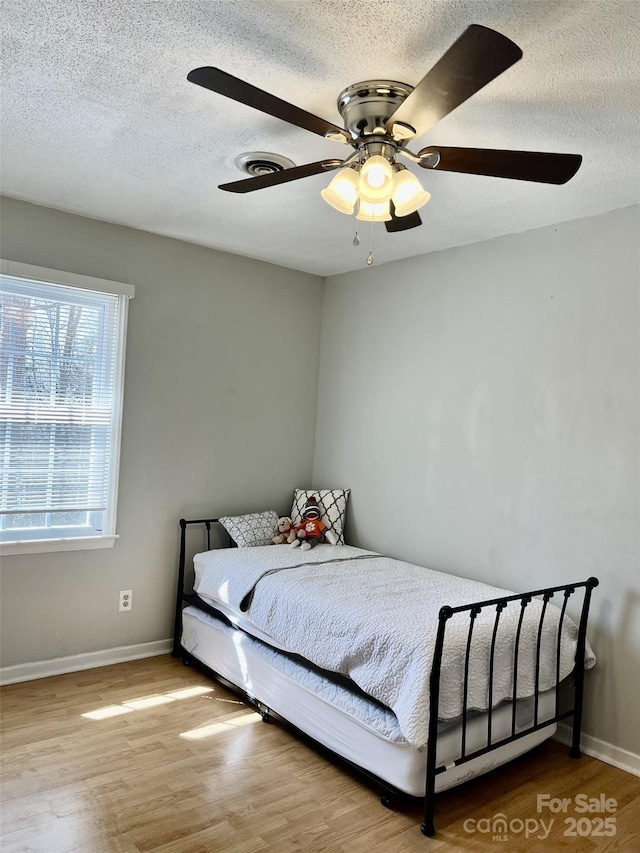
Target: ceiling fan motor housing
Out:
[366,107]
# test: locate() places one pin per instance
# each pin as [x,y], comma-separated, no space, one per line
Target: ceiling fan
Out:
[381,117]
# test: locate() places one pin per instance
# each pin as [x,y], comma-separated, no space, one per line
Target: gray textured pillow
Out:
[248,531]
[332,504]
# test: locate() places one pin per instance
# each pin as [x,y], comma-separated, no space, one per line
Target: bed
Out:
[419,679]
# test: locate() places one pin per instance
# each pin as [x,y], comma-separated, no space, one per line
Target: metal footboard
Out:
[498,605]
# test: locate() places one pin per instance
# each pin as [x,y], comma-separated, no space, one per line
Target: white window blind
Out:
[61,360]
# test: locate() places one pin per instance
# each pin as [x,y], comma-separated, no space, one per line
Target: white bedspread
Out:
[374,619]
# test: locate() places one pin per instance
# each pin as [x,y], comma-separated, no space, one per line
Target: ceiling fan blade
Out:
[402,223]
[475,59]
[262,181]
[231,87]
[536,166]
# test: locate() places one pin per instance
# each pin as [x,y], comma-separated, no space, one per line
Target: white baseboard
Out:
[90,660]
[600,749]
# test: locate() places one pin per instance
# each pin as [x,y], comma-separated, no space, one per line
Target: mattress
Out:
[359,729]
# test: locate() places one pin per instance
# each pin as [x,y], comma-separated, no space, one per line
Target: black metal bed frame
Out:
[433,770]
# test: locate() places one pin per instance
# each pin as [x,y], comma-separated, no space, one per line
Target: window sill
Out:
[48,546]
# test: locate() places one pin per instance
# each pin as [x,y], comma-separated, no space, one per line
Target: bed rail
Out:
[577,677]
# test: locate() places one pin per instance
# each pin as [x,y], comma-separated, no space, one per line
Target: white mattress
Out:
[360,730]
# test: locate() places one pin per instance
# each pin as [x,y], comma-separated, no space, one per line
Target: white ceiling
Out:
[99,119]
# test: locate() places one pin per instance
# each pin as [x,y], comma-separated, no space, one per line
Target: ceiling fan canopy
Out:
[381,117]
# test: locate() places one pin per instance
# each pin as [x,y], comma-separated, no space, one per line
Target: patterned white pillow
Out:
[332,504]
[248,531]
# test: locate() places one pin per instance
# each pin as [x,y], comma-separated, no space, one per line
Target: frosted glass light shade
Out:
[408,194]
[376,180]
[374,212]
[342,192]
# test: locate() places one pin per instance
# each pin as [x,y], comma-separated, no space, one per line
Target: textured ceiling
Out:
[99,119]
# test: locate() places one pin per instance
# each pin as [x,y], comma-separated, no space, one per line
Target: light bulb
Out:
[408,194]
[342,192]
[376,180]
[374,212]
[376,177]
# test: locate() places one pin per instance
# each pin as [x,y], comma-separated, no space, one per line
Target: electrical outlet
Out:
[125,602]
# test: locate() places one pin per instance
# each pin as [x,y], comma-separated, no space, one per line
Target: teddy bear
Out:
[286,532]
[311,529]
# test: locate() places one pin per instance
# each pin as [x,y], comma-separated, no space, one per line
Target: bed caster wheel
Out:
[186,661]
[387,802]
[265,716]
[428,829]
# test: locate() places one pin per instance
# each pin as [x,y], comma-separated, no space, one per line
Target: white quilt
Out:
[374,619]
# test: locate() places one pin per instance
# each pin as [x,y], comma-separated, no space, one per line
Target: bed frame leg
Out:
[427,828]
[264,712]
[574,752]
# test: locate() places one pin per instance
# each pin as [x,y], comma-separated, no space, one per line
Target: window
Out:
[61,382]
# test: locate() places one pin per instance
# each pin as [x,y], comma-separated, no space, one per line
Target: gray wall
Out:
[482,404]
[219,414]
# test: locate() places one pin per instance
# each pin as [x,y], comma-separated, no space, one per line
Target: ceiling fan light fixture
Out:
[408,193]
[342,192]
[374,212]
[376,180]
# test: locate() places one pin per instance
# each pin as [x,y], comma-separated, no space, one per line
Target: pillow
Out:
[248,531]
[332,504]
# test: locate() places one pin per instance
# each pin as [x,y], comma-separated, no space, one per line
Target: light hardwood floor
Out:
[183,766]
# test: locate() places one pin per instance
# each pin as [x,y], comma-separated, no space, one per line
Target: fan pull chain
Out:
[356,239]
[370,258]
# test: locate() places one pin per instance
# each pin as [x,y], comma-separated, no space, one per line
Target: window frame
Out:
[127,292]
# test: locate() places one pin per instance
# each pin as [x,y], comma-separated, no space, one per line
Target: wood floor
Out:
[153,756]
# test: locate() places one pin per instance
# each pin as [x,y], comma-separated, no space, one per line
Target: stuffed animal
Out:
[311,529]
[286,532]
